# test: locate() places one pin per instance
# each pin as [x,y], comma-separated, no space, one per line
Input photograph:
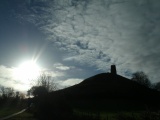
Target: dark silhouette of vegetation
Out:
[141,78]
[38,91]
[11,101]
[157,86]
[43,106]
[47,82]
[8,92]
[43,85]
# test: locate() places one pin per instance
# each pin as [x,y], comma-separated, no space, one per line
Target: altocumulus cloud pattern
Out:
[102,32]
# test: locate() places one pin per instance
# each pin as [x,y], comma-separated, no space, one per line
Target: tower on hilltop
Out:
[113,70]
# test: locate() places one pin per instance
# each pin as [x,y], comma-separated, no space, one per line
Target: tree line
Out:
[10,98]
[9,92]
[143,79]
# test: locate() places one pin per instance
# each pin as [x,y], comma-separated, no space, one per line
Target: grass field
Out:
[123,115]
[23,116]
[12,105]
[5,111]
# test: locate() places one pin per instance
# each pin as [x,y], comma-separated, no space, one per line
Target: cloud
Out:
[98,33]
[60,66]
[70,82]
[5,72]
[7,77]
[52,73]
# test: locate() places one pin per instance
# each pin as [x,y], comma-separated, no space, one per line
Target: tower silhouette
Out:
[113,70]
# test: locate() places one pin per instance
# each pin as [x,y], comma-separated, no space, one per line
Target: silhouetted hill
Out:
[107,90]
[108,85]
[103,92]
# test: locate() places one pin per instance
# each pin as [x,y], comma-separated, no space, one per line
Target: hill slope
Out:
[106,90]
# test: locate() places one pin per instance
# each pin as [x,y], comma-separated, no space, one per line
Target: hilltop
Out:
[105,90]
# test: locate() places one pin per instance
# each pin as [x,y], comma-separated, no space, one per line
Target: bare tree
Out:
[7,91]
[2,90]
[141,78]
[42,85]
[29,93]
[47,82]
[10,92]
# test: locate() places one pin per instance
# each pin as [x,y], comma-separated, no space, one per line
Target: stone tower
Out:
[113,70]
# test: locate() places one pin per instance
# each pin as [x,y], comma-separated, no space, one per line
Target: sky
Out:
[76,39]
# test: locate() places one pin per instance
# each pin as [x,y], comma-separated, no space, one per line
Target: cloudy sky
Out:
[75,39]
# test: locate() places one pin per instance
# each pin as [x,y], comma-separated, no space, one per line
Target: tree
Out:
[47,82]
[43,84]
[141,78]
[7,91]
[3,91]
[29,93]
[38,91]
[157,86]
[10,92]
[17,94]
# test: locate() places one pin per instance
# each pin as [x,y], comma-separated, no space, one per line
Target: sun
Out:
[26,71]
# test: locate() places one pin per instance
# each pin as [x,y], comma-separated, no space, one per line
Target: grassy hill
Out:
[102,93]
[107,91]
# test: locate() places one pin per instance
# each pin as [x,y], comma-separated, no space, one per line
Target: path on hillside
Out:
[7,117]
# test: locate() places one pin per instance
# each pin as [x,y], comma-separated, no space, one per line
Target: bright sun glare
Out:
[26,71]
